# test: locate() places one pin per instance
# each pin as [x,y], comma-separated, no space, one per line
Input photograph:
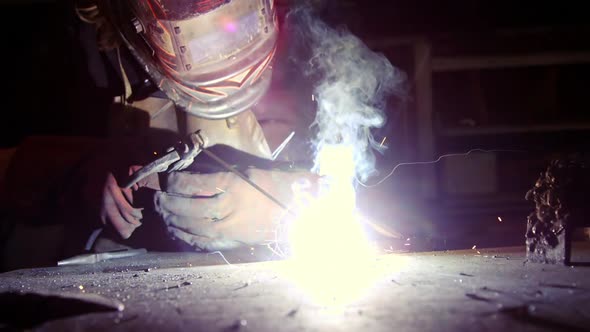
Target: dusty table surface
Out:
[478,290]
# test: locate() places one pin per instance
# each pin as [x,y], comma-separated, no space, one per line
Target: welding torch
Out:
[182,155]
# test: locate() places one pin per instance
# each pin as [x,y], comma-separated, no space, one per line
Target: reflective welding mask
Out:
[211,57]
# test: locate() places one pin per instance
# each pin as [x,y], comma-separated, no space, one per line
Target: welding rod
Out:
[99,257]
[378,228]
[245,178]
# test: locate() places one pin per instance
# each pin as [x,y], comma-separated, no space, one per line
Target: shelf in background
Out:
[458,63]
[499,130]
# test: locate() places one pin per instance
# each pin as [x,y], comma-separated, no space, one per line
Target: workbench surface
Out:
[477,290]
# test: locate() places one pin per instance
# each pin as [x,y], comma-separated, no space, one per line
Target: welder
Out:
[184,67]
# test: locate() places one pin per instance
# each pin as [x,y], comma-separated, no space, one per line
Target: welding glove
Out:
[116,207]
[100,195]
[221,211]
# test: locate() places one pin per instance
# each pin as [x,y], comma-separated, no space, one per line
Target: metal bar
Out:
[245,178]
[99,257]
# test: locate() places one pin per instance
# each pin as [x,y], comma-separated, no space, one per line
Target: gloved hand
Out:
[116,206]
[100,195]
[221,211]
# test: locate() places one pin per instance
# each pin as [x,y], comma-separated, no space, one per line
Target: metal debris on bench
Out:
[560,208]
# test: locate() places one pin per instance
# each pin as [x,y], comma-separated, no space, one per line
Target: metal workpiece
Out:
[560,209]
[468,290]
[100,257]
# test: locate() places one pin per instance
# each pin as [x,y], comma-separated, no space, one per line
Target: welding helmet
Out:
[212,58]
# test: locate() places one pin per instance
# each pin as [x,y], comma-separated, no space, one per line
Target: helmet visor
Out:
[209,50]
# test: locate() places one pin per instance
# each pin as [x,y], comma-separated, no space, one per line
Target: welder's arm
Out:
[221,211]
[91,193]
[68,182]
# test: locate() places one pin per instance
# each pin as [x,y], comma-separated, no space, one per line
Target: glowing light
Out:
[332,260]
[500,219]
[333,212]
[230,26]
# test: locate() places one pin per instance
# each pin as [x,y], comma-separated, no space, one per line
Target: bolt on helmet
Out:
[211,57]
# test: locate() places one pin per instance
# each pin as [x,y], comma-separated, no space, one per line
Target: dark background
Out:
[44,71]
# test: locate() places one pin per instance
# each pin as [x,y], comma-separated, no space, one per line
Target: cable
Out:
[89,14]
[465,154]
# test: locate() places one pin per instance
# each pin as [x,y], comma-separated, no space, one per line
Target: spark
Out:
[220,254]
[383,141]
[331,258]
[334,209]
[499,219]
[474,247]
[220,190]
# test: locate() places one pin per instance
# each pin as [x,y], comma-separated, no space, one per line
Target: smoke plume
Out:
[351,86]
